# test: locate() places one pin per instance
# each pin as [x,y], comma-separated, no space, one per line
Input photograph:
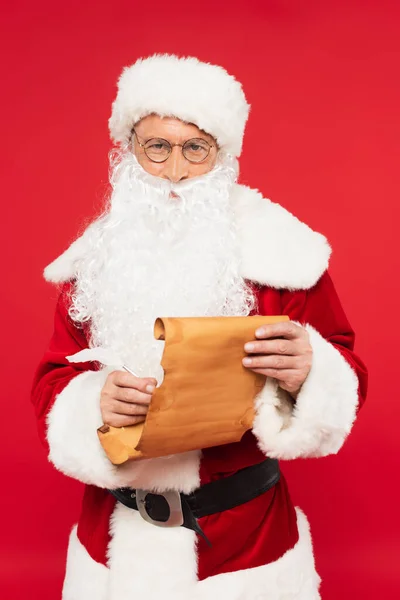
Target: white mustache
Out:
[225,173]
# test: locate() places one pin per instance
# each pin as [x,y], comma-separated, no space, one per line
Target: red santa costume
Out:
[221,249]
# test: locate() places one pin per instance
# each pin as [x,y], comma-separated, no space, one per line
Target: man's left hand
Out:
[287,359]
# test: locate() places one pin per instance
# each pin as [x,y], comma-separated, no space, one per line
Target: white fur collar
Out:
[278,250]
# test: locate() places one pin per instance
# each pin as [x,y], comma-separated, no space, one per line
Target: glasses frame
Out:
[194,162]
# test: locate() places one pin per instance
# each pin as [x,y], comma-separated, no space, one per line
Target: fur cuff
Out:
[324,412]
[72,431]
[76,451]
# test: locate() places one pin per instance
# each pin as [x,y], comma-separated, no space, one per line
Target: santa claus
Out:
[180,237]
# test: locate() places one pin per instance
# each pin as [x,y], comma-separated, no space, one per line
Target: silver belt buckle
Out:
[174,502]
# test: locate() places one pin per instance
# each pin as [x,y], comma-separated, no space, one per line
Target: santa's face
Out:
[191,152]
[161,249]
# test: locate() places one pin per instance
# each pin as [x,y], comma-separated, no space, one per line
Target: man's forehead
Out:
[169,127]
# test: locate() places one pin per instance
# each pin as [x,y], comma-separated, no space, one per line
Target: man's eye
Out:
[195,147]
[157,147]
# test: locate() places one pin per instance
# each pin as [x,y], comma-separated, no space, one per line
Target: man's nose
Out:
[176,167]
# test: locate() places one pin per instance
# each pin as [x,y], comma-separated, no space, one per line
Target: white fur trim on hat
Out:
[185,88]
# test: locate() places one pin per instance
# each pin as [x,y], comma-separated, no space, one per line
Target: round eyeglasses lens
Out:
[196,150]
[157,149]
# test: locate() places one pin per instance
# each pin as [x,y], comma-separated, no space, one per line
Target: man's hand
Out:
[125,399]
[287,359]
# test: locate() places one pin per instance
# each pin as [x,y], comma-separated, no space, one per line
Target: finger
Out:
[122,420]
[286,329]
[130,395]
[271,362]
[272,347]
[131,410]
[288,376]
[124,379]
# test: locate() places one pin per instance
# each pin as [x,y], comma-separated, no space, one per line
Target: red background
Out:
[323,81]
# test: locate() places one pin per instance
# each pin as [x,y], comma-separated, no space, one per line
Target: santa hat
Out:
[185,88]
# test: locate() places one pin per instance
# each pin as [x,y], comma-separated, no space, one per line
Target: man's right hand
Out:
[125,398]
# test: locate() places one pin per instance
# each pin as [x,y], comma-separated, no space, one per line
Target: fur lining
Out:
[277,249]
[291,577]
[180,87]
[85,579]
[153,563]
[76,451]
[148,561]
[324,412]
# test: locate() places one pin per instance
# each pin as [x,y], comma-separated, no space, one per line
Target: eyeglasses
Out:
[159,150]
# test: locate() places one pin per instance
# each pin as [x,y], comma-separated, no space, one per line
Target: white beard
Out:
[152,255]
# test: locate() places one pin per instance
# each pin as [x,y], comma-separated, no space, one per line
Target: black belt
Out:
[171,509]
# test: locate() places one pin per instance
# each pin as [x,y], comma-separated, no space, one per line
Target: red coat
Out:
[254,534]
[260,550]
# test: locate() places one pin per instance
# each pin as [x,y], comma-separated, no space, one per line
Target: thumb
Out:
[150,380]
